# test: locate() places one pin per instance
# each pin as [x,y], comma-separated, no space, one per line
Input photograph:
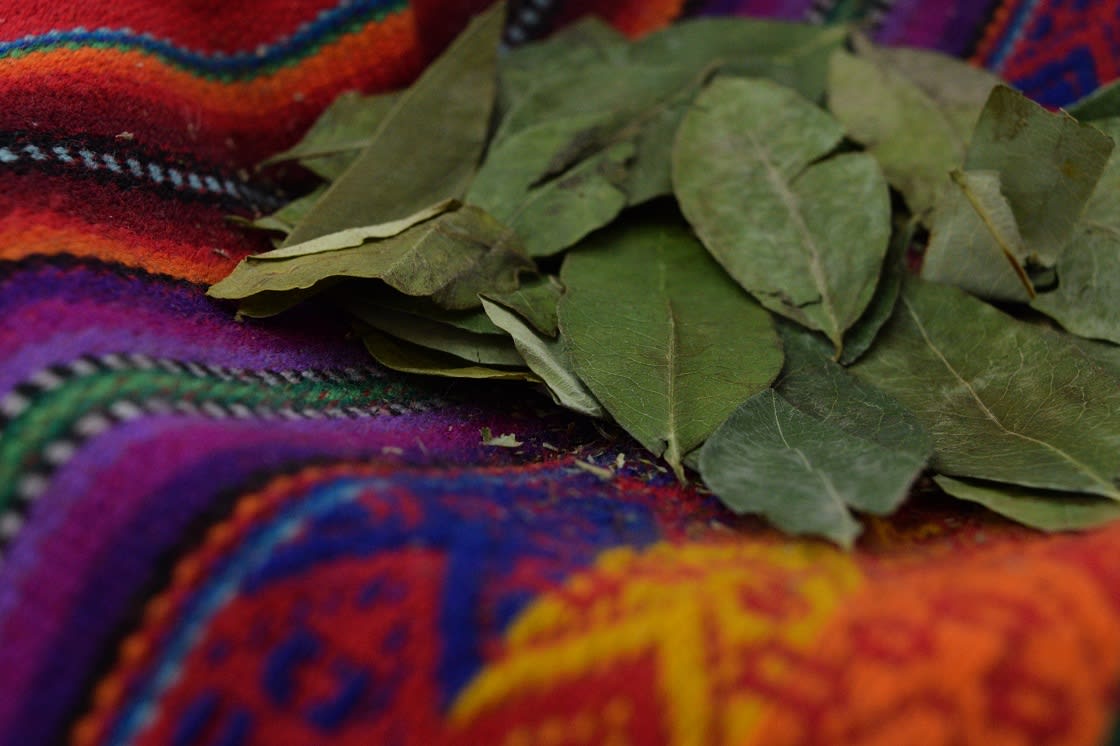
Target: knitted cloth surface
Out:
[220,533]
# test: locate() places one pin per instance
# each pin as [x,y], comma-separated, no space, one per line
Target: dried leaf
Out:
[378,295]
[1085,301]
[793,54]
[535,302]
[450,258]
[340,133]
[286,218]
[687,347]
[351,237]
[862,334]
[548,358]
[427,147]
[1049,164]
[813,383]
[974,240]
[1041,509]
[589,41]
[1004,400]
[409,358]
[820,445]
[552,215]
[805,236]
[914,110]
[1103,103]
[483,349]
[802,473]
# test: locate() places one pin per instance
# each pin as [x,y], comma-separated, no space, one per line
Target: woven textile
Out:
[215,533]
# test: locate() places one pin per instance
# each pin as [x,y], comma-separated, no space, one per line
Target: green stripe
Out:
[54,413]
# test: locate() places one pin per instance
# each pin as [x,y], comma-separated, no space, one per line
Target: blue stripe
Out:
[1014,31]
[329,23]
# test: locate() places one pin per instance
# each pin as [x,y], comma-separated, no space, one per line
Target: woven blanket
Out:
[216,533]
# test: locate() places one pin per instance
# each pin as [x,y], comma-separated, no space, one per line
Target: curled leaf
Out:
[548,358]
[450,258]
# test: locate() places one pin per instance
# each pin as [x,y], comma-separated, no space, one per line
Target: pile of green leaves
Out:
[702,235]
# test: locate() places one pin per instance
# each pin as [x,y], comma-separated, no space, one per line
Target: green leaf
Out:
[1004,400]
[548,358]
[863,333]
[589,41]
[535,302]
[662,337]
[1085,301]
[1103,103]
[340,133]
[450,258]
[644,101]
[483,349]
[1041,509]
[427,147]
[265,305]
[554,214]
[605,98]
[914,110]
[975,242]
[379,295]
[1048,164]
[794,54]
[802,474]
[351,237]
[1105,354]
[402,356]
[587,111]
[805,236]
[819,387]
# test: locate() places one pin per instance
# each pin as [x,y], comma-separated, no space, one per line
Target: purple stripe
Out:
[948,27]
[100,533]
[788,10]
[54,316]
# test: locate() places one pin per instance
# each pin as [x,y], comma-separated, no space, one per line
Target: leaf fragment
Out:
[686,347]
[805,236]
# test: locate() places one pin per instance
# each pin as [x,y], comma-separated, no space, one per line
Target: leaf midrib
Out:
[791,203]
[1111,491]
